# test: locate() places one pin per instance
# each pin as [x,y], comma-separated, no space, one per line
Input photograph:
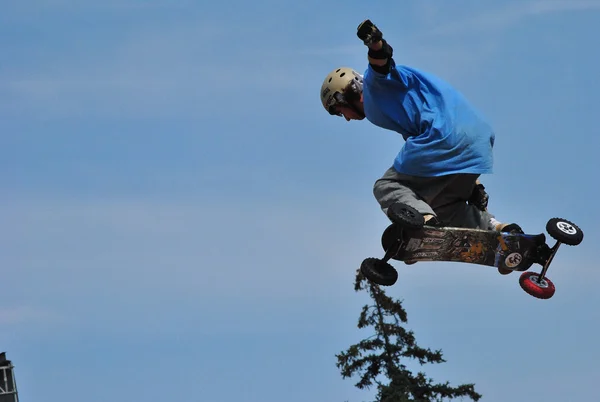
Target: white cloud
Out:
[142,265]
[152,266]
[501,18]
[25,314]
[159,71]
[254,251]
[344,50]
[547,6]
[89,5]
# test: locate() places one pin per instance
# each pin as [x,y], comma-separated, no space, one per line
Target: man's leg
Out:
[425,194]
[442,197]
[393,187]
[462,214]
[451,204]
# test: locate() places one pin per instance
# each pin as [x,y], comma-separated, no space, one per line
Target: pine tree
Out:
[380,357]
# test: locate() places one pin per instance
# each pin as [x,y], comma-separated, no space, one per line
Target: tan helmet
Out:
[340,87]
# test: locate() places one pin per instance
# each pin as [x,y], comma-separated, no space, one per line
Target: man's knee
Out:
[379,188]
[388,191]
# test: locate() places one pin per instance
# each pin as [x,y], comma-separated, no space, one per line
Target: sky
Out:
[181,219]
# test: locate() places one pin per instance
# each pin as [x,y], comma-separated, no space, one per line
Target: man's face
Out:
[349,113]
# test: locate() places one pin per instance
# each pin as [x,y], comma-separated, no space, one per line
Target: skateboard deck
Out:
[503,250]
[408,240]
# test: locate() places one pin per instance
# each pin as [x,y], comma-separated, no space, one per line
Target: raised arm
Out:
[380,52]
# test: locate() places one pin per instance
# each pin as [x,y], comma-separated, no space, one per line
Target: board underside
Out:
[505,250]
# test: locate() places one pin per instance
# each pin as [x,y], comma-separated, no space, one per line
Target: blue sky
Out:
[182,220]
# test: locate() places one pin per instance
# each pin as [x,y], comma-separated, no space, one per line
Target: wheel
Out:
[379,272]
[405,216]
[390,235]
[564,231]
[543,289]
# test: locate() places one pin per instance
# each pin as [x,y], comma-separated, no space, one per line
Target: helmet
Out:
[341,87]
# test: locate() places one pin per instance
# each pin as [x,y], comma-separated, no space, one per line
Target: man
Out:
[448,143]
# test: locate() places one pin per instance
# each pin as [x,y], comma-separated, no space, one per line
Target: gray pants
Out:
[444,197]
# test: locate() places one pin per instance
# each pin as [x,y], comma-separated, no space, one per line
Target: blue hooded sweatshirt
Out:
[443,133]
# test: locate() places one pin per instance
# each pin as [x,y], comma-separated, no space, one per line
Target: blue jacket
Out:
[443,133]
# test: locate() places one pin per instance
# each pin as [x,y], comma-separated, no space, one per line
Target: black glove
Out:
[368,33]
[479,197]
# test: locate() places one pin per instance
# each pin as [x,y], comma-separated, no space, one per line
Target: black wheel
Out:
[390,235]
[405,216]
[379,272]
[564,231]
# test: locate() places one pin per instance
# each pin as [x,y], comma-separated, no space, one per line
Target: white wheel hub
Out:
[542,283]
[566,228]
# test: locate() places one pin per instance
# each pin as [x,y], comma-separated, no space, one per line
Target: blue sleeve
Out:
[393,77]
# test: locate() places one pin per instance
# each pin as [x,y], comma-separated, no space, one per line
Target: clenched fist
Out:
[368,33]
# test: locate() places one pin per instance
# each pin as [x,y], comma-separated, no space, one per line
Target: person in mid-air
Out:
[448,143]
